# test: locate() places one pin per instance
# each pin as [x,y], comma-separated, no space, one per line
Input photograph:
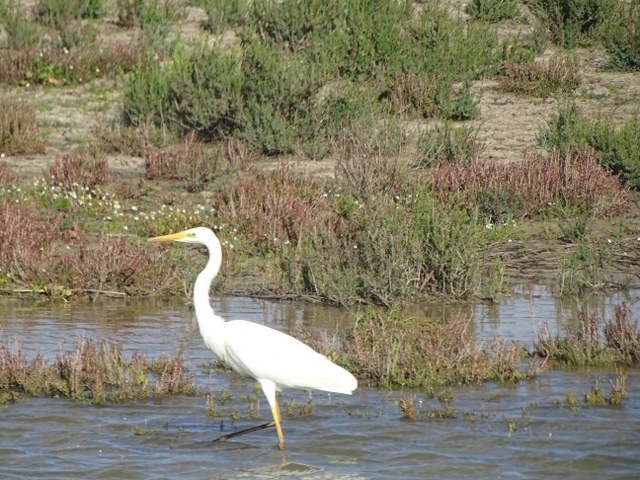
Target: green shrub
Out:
[622,38]
[458,105]
[20,31]
[492,10]
[618,149]
[52,11]
[430,249]
[282,89]
[452,50]
[64,17]
[149,14]
[387,349]
[276,92]
[226,14]
[199,92]
[573,23]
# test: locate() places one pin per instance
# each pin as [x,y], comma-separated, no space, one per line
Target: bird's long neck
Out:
[208,322]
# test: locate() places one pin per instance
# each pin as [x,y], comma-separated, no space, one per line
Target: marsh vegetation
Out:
[343,152]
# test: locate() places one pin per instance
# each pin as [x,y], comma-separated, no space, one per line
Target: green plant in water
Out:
[93,371]
[595,397]
[388,349]
[588,340]
[571,399]
[584,268]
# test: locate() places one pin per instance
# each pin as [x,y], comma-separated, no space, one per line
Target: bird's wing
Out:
[265,353]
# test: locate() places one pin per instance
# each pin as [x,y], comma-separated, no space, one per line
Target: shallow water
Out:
[518,432]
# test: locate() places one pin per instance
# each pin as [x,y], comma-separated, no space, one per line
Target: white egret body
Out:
[273,358]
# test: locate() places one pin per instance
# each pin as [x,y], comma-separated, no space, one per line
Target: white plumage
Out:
[273,358]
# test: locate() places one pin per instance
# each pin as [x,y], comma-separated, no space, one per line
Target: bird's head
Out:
[201,235]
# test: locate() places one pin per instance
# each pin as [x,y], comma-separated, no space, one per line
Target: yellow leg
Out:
[275,410]
[269,389]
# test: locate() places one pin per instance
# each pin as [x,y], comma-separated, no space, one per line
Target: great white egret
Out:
[273,358]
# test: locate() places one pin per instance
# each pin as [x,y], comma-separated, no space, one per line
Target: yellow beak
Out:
[170,237]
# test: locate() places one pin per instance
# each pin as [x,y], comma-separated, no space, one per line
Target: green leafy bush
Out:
[432,249]
[622,38]
[279,91]
[52,11]
[573,23]
[65,16]
[492,10]
[222,14]
[618,149]
[20,31]
[199,92]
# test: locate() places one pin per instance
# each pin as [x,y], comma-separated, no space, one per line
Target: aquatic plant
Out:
[589,340]
[389,349]
[93,371]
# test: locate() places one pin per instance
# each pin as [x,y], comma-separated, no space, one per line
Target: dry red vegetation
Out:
[534,185]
